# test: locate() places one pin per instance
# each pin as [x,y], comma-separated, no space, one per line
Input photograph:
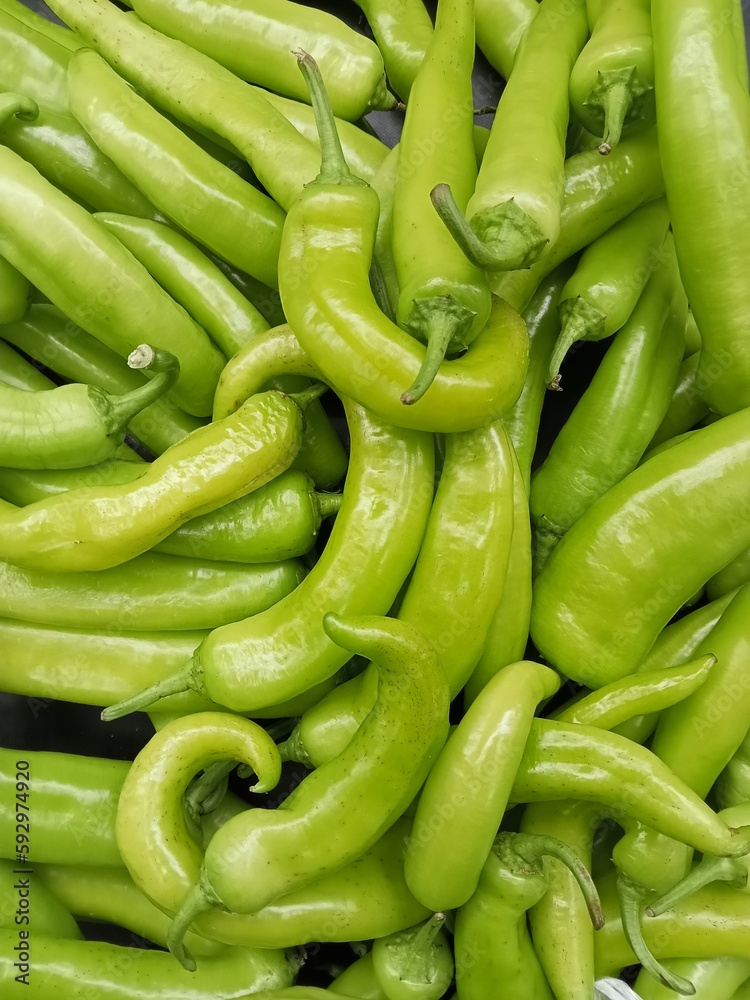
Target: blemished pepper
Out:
[63,967]
[255,39]
[712,978]
[206,199]
[358,981]
[356,346]
[191,279]
[93,279]
[599,605]
[47,916]
[246,863]
[495,956]
[466,795]
[415,964]
[14,293]
[735,574]
[687,406]
[710,105]
[75,425]
[403,31]
[733,786]
[514,214]
[444,300]
[153,592]
[501,25]
[599,191]
[612,82]
[601,295]
[48,337]
[96,528]
[613,422]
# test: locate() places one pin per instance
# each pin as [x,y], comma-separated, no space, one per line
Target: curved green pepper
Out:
[599,605]
[712,978]
[403,31]
[501,26]
[415,964]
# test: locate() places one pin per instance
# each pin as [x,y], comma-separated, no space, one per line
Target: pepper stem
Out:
[427,933]
[534,846]
[196,901]
[631,897]
[438,329]
[293,749]
[333,166]
[166,370]
[177,684]
[206,792]
[455,222]
[616,104]
[17,106]
[304,397]
[711,869]
[328,504]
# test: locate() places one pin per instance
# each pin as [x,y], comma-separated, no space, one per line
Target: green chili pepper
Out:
[733,786]
[191,279]
[514,214]
[494,953]
[560,924]
[415,964]
[509,632]
[595,614]
[254,40]
[384,186]
[74,425]
[48,337]
[152,592]
[612,83]
[403,31]
[501,26]
[696,739]
[66,967]
[735,574]
[94,280]
[444,300]
[686,408]
[14,293]
[28,906]
[33,64]
[710,105]
[57,32]
[358,981]
[598,193]
[372,547]
[645,692]
[543,324]
[467,539]
[18,373]
[467,792]
[358,348]
[712,978]
[200,93]
[213,466]
[601,295]
[612,424]
[202,196]
[246,865]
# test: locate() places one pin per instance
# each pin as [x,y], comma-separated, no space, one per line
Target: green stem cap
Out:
[711,869]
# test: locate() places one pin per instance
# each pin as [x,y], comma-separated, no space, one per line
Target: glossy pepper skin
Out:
[339,324]
[711,107]
[97,528]
[358,980]
[57,32]
[613,422]
[733,786]
[415,964]
[60,967]
[713,978]
[686,408]
[48,916]
[14,293]
[501,26]
[254,39]
[17,372]
[191,279]
[47,336]
[661,507]
[601,295]
[612,83]
[154,591]
[246,865]
[599,191]
[206,199]
[75,425]
[444,300]
[373,545]
[403,31]
[79,266]
[495,956]
[198,92]
[735,574]
[473,777]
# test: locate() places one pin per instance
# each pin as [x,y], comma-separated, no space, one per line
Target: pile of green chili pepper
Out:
[402,494]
